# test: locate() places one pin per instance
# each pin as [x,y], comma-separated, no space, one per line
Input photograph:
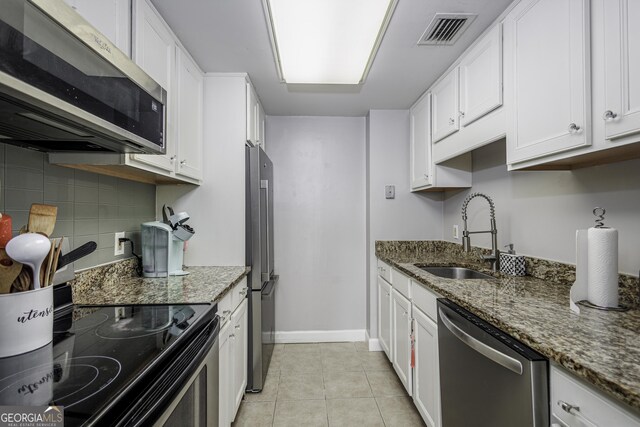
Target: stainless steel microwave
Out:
[64,87]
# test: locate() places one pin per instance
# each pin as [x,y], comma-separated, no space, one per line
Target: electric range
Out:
[112,365]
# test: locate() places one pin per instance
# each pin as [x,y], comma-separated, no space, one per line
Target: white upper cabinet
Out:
[547,78]
[252,115]
[420,137]
[260,126]
[446,111]
[111,17]
[481,78]
[154,50]
[479,118]
[189,117]
[425,175]
[622,72]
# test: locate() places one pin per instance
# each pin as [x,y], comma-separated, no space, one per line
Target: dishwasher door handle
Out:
[489,352]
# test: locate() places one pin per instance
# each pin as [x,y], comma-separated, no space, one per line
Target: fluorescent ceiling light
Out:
[326,41]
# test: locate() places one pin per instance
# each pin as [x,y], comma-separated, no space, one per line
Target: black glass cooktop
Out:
[100,358]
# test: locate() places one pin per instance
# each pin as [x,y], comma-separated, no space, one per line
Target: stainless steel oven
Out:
[487,378]
[196,404]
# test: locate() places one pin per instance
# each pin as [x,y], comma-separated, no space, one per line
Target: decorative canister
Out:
[26,321]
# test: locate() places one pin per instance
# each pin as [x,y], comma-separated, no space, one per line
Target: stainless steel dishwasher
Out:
[487,378]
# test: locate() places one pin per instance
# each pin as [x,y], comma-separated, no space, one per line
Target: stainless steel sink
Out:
[456,273]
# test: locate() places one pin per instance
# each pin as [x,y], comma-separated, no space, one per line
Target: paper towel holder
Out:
[586,303]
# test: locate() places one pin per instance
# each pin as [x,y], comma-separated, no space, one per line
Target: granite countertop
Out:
[601,347]
[201,285]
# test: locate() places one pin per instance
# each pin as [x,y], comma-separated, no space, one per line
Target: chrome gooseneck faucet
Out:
[466,234]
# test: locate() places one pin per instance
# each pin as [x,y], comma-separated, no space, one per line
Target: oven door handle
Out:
[489,352]
[142,416]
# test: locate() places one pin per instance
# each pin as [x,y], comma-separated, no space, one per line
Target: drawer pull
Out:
[575,411]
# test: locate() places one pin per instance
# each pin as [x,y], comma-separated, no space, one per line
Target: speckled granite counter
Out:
[601,347]
[114,284]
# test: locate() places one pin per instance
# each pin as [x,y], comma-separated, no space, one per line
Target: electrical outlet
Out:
[118,248]
[390,191]
[456,232]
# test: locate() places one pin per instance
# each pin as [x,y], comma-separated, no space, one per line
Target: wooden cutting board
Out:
[9,271]
[42,219]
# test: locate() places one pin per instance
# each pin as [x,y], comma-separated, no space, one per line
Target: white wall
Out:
[540,211]
[319,221]
[410,216]
[217,206]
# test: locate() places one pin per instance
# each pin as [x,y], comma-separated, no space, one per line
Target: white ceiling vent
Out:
[446,28]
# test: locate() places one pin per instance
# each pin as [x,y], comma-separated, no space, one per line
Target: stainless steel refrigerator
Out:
[262,280]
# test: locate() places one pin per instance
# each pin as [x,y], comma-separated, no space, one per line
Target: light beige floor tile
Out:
[375,361]
[255,414]
[341,362]
[346,384]
[301,386]
[300,413]
[313,348]
[385,384]
[278,348]
[399,412]
[362,346]
[301,363]
[353,412]
[269,392]
[337,347]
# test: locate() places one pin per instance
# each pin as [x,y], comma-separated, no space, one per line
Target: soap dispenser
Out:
[512,264]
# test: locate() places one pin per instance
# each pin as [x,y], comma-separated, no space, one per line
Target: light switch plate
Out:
[456,234]
[390,191]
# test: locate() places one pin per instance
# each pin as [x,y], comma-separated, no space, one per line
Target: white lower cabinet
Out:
[575,404]
[238,352]
[401,342]
[233,342]
[408,333]
[224,385]
[384,315]
[426,384]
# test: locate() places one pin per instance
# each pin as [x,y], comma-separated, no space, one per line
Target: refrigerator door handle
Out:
[264,185]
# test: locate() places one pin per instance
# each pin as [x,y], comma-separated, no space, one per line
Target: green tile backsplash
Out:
[90,206]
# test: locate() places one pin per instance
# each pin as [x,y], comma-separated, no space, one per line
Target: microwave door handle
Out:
[489,352]
[264,185]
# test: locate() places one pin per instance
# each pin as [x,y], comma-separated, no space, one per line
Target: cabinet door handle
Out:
[609,115]
[574,128]
[237,326]
[451,121]
[462,114]
[172,159]
[426,176]
[232,336]
[183,162]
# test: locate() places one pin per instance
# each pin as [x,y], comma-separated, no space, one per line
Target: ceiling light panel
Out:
[327,41]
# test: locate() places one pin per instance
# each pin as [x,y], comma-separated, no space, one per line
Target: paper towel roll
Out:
[602,281]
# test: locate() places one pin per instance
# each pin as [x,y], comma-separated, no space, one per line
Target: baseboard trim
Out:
[374,343]
[292,337]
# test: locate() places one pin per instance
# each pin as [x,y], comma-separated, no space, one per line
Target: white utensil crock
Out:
[26,321]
